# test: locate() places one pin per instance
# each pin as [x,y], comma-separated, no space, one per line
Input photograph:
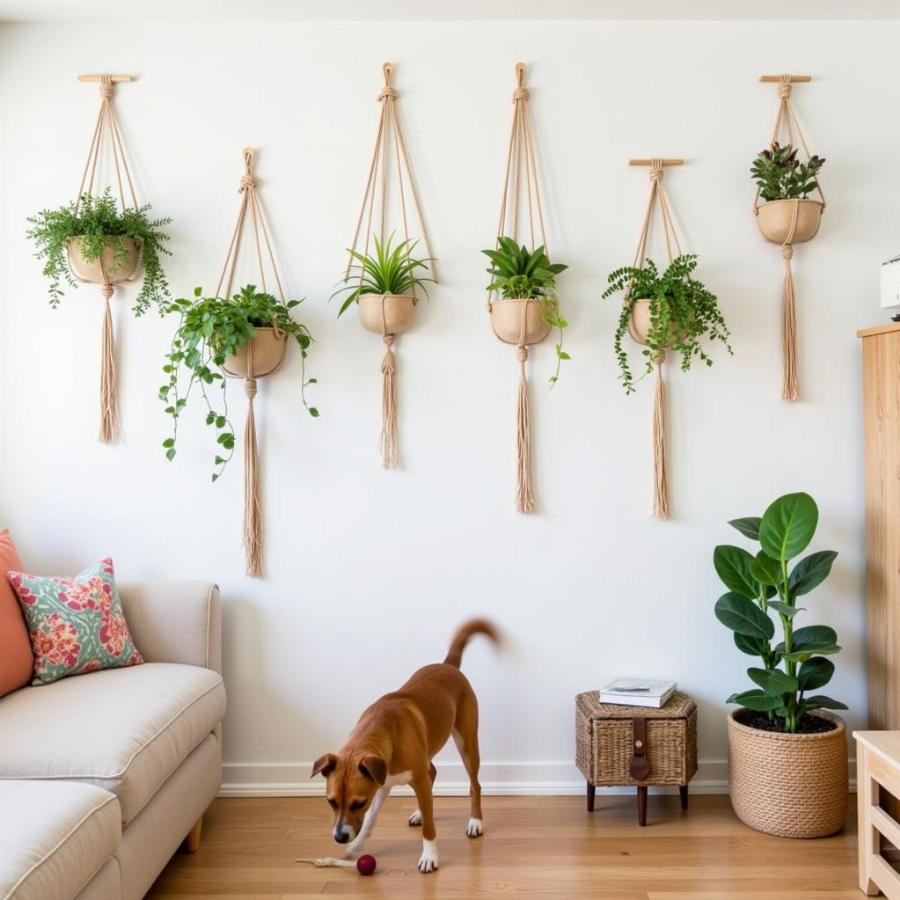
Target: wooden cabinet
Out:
[881,406]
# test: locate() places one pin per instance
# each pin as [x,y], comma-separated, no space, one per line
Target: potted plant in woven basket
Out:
[789,215]
[244,336]
[787,753]
[668,311]
[526,306]
[95,242]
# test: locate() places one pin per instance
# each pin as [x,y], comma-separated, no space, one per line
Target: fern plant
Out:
[682,313]
[520,274]
[781,176]
[210,329]
[98,222]
[391,269]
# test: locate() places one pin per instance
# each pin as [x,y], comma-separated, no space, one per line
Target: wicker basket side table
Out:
[618,746]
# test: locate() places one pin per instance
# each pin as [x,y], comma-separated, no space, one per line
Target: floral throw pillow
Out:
[76,624]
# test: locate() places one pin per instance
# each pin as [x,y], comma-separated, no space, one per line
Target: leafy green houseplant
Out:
[210,331]
[95,228]
[668,311]
[520,274]
[780,174]
[787,753]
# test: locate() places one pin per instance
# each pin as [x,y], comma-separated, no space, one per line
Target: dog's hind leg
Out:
[355,847]
[465,734]
[416,818]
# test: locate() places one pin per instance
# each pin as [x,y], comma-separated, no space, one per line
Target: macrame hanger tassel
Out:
[252,506]
[790,389]
[660,445]
[109,381]
[524,490]
[389,443]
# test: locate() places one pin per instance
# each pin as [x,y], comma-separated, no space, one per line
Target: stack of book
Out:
[637,692]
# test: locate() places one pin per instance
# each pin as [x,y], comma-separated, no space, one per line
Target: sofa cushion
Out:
[16,661]
[76,624]
[125,730]
[54,837]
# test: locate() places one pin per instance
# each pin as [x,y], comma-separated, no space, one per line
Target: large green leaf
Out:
[784,609]
[747,526]
[811,571]
[765,569]
[732,565]
[820,701]
[812,635]
[757,700]
[773,681]
[815,673]
[744,616]
[807,653]
[750,645]
[788,525]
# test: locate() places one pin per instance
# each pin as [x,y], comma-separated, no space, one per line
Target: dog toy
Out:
[365,865]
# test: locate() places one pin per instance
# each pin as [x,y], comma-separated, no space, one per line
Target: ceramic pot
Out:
[116,270]
[775,219]
[266,351]
[507,321]
[387,313]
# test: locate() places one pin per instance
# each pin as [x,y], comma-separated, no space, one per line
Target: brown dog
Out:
[393,743]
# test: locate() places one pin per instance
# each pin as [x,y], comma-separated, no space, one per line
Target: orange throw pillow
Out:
[16,660]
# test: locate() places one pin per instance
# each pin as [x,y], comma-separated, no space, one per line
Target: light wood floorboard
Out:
[533,847]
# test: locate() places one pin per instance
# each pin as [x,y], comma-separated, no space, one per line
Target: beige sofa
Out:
[102,776]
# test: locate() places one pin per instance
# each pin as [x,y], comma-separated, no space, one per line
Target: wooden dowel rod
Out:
[115,79]
[669,161]
[793,79]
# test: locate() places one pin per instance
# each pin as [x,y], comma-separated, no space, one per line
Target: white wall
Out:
[369,572]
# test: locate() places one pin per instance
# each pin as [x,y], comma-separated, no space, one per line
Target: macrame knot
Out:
[522,354]
[107,290]
[388,340]
[387,91]
[106,91]
[520,93]
[656,172]
[787,251]
[248,183]
[784,91]
[250,387]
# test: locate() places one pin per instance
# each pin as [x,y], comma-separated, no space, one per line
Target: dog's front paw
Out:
[428,861]
[475,828]
[416,818]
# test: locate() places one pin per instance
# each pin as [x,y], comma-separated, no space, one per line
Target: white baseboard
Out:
[292,779]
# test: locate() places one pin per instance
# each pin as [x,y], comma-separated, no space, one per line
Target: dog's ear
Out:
[324,765]
[374,767]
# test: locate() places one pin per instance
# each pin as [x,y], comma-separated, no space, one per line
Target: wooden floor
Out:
[533,847]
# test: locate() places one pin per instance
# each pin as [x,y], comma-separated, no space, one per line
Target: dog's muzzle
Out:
[343,833]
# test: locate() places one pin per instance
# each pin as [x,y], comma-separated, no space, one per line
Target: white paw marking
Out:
[428,861]
[416,818]
[475,828]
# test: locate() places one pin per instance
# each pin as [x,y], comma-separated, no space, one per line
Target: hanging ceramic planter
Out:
[665,312]
[101,244]
[522,302]
[245,336]
[384,282]
[788,216]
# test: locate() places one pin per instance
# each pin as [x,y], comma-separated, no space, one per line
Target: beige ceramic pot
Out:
[93,270]
[387,313]
[639,321]
[265,352]
[507,321]
[775,219]
[790,785]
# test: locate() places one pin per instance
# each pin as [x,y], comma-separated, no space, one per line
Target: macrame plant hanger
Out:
[107,127]
[521,175]
[389,135]
[786,120]
[262,245]
[660,430]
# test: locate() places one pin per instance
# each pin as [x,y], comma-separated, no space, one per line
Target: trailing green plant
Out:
[682,313]
[762,584]
[520,274]
[98,222]
[782,176]
[210,329]
[391,269]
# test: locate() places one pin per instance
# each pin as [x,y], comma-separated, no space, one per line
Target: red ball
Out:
[365,865]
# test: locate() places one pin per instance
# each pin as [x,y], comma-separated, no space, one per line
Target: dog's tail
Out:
[464,634]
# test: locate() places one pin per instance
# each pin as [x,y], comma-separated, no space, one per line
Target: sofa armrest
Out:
[175,621]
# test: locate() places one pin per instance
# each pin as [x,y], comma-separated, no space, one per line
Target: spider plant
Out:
[391,269]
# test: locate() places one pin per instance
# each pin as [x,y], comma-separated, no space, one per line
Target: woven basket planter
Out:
[506,320]
[106,269]
[776,216]
[387,313]
[263,354]
[789,785]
